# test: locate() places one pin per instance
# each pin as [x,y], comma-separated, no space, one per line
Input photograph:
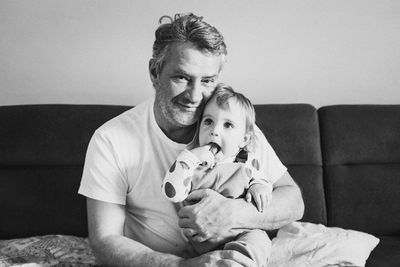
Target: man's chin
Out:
[188,120]
[188,124]
[184,123]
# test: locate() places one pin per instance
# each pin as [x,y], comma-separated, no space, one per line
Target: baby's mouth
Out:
[214,148]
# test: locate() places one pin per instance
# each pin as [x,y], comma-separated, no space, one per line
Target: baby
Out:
[224,160]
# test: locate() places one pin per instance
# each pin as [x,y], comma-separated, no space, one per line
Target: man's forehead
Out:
[203,72]
[185,57]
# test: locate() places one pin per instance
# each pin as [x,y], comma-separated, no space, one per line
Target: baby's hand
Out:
[261,194]
[204,154]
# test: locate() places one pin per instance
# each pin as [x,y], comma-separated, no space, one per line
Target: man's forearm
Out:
[216,218]
[286,206]
[121,251]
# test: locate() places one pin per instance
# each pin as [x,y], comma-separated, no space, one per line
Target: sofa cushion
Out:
[386,253]
[361,154]
[49,134]
[39,200]
[43,149]
[292,130]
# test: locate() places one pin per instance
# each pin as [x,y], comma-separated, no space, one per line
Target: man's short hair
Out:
[185,28]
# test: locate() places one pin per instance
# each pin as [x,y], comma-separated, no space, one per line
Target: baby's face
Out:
[224,127]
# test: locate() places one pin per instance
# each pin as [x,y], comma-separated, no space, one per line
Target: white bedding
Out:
[314,245]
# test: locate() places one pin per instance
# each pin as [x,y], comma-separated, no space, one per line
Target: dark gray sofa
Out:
[345,158]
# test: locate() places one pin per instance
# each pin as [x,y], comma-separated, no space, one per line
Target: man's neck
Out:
[177,133]
[181,135]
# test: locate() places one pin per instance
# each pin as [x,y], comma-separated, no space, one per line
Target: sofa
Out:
[345,158]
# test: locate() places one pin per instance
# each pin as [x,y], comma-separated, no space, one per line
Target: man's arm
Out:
[286,206]
[215,217]
[106,225]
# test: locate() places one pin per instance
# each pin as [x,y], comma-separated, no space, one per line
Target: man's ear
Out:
[152,71]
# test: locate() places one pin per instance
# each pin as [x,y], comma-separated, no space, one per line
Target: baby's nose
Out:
[214,132]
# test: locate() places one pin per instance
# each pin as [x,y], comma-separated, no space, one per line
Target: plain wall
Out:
[97,51]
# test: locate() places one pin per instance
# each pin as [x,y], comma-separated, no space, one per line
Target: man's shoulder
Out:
[133,118]
[259,136]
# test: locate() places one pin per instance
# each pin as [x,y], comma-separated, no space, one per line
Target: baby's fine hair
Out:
[185,28]
[223,93]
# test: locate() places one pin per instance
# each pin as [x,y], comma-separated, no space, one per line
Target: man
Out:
[130,222]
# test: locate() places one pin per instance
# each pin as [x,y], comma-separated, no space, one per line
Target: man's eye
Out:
[209,81]
[228,125]
[181,78]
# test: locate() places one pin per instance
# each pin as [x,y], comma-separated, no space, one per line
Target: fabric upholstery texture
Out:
[292,130]
[361,152]
[345,158]
[49,134]
[386,254]
[43,149]
[41,200]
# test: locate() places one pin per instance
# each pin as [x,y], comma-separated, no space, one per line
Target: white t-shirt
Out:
[125,164]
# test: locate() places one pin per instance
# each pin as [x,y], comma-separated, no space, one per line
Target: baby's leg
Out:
[254,244]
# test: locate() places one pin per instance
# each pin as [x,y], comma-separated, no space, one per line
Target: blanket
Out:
[47,250]
[297,244]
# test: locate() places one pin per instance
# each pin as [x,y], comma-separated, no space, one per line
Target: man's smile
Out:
[189,107]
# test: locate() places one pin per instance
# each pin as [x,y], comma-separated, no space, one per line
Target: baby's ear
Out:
[246,140]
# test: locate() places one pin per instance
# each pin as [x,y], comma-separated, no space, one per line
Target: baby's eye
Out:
[228,125]
[207,122]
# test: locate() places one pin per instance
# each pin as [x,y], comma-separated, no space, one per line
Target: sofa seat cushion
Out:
[48,250]
[386,252]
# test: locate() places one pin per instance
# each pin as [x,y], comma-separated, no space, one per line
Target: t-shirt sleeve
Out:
[102,178]
[271,165]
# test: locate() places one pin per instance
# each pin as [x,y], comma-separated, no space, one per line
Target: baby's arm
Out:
[177,181]
[260,189]
[261,193]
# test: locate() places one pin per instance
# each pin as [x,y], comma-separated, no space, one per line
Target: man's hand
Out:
[219,258]
[208,216]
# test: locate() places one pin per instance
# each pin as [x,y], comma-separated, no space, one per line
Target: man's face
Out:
[225,127]
[186,81]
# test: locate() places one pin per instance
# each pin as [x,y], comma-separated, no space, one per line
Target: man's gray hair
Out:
[185,28]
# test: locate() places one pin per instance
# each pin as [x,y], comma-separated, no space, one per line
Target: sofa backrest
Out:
[43,149]
[352,184]
[42,154]
[361,155]
[293,132]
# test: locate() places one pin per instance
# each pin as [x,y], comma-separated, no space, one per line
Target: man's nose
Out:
[195,92]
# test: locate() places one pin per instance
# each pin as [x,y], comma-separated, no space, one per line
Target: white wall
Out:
[97,51]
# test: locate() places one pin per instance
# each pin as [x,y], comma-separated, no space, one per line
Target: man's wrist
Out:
[243,214]
[235,215]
